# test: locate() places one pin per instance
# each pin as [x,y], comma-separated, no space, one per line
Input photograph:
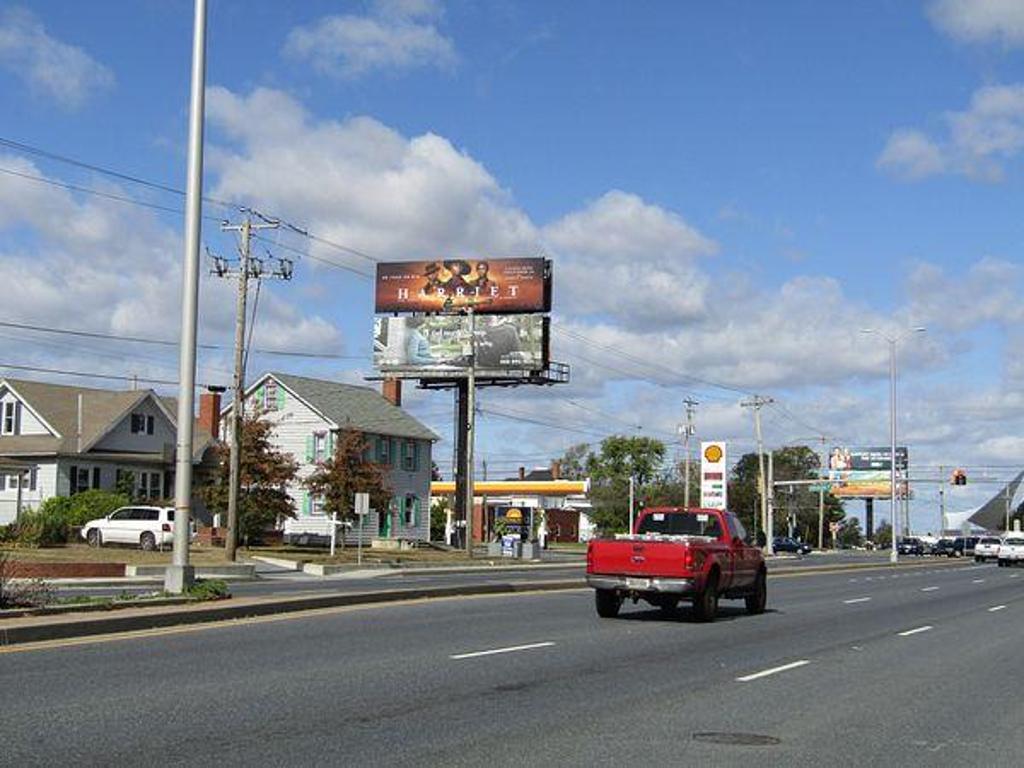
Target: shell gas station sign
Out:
[713,475]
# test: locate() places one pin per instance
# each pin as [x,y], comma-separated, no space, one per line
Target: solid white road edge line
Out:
[510,649]
[995,608]
[910,632]
[772,671]
[978,581]
[857,600]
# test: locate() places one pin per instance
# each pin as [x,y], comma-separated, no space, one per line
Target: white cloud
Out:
[979,21]
[910,155]
[987,291]
[624,258]
[978,140]
[361,183]
[63,72]
[395,35]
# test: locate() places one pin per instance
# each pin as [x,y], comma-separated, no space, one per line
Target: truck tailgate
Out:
[637,557]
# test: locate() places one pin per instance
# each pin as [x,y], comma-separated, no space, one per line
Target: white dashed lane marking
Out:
[856,600]
[773,671]
[915,631]
[995,608]
[492,652]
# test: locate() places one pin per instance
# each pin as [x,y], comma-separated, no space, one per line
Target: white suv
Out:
[1011,551]
[146,527]
[987,548]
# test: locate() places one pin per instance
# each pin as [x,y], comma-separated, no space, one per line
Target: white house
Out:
[307,415]
[77,438]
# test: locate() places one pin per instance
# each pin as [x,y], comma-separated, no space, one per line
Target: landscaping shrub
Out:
[209,589]
[41,529]
[89,505]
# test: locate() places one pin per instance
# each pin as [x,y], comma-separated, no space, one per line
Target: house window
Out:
[142,424]
[270,395]
[410,461]
[11,424]
[149,485]
[409,514]
[33,479]
[316,505]
[384,450]
[82,479]
[319,446]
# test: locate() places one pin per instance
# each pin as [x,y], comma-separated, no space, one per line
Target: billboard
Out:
[492,286]
[865,473]
[714,485]
[440,344]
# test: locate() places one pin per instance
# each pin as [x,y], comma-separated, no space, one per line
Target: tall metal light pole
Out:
[688,431]
[893,341]
[180,574]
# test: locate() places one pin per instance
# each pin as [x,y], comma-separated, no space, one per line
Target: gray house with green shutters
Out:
[307,415]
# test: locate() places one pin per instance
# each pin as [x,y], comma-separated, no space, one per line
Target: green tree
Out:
[883,536]
[850,534]
[609,470]
[573,463]
[348,472]
[438,517]
[265,475]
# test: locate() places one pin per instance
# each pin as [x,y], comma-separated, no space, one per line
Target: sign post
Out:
[362,508]
[334,530]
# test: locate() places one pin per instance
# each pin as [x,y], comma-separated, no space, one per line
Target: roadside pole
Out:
[757,402]
[631,491]
[361,506]
[470,431]
[821,499]
[334,530]
[688,432]
[180,575]
[769,545]
[942,501]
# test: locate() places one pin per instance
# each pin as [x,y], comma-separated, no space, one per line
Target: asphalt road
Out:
[911,667]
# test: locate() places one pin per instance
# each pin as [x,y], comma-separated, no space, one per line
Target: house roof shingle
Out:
[353,406]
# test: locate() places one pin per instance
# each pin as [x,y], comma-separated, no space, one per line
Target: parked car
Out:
[910,546]
[1011,551]
[146,527]
[942,548]
[786,544]
[964,546]
[987,548]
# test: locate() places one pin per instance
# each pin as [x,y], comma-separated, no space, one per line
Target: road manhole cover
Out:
[740,739]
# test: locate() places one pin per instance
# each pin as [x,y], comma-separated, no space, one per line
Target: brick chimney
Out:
[556,470]
[392,390]
[522,473]
[209,412]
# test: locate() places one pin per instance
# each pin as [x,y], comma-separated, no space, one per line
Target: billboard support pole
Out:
[470,430]
[769,544]
[461,421]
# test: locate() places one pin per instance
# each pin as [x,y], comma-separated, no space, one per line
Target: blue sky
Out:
[793,170]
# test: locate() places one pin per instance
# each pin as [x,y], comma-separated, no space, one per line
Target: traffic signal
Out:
[959,477]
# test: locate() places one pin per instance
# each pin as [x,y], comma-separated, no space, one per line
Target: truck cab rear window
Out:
[681,524]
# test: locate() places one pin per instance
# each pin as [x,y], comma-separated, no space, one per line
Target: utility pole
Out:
[180,574]
[770,522]
[631,495]
[248,268]
[757,402]
[942,500]
[688,431]
[821,498]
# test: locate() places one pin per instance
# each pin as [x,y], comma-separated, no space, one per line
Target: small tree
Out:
[439,518]
[347,473]
[264,478]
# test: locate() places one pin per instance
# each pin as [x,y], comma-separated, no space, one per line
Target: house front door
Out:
[384,523]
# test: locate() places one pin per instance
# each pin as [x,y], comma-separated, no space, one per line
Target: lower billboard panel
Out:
[438,345]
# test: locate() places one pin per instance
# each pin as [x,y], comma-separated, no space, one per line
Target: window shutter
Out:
[33,479]
[17,418]
[72,480]
[280,398]
[95,477]
[380,449]
[309,447]
[415,511]
[416,456]
[307,503]
[330,445]
[393,459]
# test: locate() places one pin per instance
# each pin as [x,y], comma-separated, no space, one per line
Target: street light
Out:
[893,341]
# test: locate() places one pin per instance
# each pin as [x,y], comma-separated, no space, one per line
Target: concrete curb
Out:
[220,570]
[38,631]
[323,569]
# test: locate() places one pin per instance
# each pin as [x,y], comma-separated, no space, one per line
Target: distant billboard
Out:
[491,286]
[436,345]
[866,472]
[714,481]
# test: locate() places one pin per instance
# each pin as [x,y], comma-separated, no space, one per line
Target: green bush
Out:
[209,589]
[41,529]
[89,505]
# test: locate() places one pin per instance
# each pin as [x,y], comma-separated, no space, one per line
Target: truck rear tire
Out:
[757,601]
[607,602]
[705,605]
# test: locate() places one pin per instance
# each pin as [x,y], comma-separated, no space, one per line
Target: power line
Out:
[88,375]
[167,343]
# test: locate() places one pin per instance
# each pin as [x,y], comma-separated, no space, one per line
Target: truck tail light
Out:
[688,559]
[590,557]
[165,527]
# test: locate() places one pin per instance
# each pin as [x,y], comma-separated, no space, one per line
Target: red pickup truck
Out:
[678,554]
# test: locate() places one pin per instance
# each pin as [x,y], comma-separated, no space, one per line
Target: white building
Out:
[77,438]
[307,415]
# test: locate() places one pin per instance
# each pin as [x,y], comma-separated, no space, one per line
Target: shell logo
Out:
[713,454]
[514,514]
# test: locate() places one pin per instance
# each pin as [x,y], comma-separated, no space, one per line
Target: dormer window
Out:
[11,424]
[142,424]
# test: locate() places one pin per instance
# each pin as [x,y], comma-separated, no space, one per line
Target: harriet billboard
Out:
[439,344]
[491,286]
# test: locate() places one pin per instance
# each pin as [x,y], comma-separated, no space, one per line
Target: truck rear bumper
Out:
[642,584]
